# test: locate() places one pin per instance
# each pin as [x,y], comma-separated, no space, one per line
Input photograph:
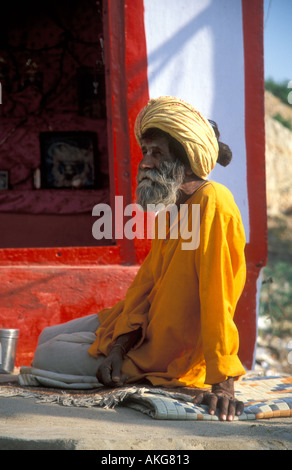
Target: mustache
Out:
[152,175]
[166,173]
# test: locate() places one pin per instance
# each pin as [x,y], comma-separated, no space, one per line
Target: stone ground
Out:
[27,425]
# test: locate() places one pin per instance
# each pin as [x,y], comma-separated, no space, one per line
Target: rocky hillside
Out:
[279,178]
[274,351]
[278,157]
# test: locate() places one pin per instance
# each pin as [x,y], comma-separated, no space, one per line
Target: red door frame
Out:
[257,247]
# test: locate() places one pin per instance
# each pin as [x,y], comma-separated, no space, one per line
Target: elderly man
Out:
[175,326]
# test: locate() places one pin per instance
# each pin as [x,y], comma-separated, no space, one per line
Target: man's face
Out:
[160,174]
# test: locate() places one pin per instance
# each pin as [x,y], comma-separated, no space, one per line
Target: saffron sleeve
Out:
[221,270]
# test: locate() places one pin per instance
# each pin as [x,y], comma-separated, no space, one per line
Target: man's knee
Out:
[47,334]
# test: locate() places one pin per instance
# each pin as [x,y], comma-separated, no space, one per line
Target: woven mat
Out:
[264,397]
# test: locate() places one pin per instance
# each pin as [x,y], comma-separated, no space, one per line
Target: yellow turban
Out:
[185,124]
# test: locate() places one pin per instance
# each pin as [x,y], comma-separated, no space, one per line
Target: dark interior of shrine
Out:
[54,164]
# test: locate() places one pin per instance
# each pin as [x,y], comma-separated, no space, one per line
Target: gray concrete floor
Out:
[25,424]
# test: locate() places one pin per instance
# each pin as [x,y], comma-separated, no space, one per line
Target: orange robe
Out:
[184,301]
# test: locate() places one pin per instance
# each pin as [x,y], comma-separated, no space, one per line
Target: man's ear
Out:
[190,174]
[188,170]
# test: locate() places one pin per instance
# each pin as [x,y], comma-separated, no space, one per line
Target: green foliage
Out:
[278,284]
[280,90]
[285,122]
[276,290]
[276,297]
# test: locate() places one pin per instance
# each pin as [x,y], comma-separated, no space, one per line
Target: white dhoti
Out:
[61,358]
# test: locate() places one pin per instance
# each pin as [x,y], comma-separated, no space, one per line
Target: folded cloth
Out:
[33,377]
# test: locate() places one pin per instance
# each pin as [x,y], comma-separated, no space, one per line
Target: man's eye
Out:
[156,153]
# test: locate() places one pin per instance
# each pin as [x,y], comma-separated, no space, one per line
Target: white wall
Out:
[195,52]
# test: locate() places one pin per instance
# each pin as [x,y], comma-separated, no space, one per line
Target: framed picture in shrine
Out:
[4,179]
[69,160]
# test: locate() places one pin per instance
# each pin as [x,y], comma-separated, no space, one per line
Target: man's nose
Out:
[147,162]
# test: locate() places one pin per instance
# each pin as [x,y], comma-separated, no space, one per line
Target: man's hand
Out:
[109,372]
[222,398]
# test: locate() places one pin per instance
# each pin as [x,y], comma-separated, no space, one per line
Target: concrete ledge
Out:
[12,443]
[28,425]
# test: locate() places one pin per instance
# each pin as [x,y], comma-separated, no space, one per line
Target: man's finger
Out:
[211,401]
[208,399]
[239,408]
[223,404]
[104,375]
[124,378]
[231,410]
[198,399]
[116,374]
